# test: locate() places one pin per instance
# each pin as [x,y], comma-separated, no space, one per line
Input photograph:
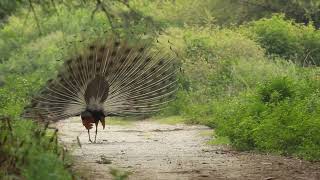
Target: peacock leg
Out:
[95,137]
[89,136]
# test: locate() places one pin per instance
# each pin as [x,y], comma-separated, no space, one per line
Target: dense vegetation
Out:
[246,71]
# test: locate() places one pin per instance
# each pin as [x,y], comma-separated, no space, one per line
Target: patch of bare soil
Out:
[150,150]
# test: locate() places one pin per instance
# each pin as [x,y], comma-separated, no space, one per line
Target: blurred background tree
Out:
[241,11]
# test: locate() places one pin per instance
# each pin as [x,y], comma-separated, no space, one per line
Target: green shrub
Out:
[28,152]
[281,116]
[215,44]
[209,56]
[15,94]
[286,39]
[277,90]
[73,24]
[195,13]
[278,36]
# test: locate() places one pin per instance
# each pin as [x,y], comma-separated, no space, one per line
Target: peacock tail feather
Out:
[117,78]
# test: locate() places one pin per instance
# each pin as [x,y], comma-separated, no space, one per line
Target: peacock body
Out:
[108,79]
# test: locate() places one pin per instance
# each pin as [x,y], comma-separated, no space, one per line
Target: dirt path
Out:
[156,151]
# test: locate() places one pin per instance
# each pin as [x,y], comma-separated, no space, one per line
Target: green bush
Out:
[30,152]
[277,90]
[195,13]
[71,25]
[286,39]
[208,56]
[278,36]
[281,116]
[211,68]
[15,94]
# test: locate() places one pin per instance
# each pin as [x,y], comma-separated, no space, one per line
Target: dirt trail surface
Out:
[150,150]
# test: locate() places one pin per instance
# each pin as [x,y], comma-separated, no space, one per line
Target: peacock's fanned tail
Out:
[115,77]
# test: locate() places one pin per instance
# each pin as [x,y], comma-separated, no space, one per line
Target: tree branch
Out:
[35,16]
[100,5]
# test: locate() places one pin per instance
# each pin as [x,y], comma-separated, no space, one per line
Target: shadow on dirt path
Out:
[150,150]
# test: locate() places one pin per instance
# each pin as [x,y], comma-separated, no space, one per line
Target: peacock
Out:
[113,78]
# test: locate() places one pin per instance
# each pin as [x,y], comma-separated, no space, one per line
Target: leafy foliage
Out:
[287,39]
[239,12]
[284,124]
[29,151]
[228,83]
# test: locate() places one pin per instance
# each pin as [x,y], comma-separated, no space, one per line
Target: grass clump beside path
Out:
[29,151]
